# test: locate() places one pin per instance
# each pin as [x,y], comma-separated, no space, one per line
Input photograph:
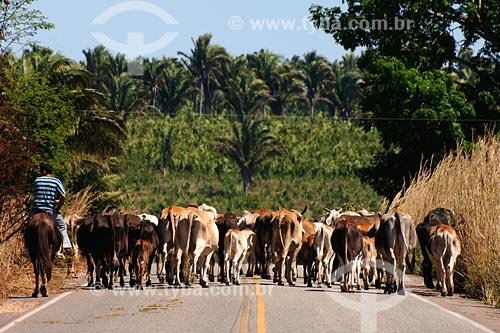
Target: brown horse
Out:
[42,239]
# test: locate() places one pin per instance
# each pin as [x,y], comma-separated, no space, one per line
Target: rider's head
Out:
[46,169]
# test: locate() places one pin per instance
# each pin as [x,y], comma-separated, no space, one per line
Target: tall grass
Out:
[468,182]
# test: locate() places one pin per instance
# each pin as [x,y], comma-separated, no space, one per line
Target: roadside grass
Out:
[468,182]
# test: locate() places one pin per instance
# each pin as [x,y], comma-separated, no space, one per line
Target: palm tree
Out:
[204,63]
[98,62]
[174,86]
[152,71]
[315,71]
[281,79]
[244,93]
[123,95]
[250,145]
[346,90]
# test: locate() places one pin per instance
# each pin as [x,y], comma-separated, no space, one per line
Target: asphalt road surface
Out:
[255,306]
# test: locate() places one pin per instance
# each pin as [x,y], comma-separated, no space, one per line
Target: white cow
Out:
[236,245]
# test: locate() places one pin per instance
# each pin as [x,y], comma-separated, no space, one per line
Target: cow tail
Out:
[346,232]
[185,256]
[115,262]
[171,220]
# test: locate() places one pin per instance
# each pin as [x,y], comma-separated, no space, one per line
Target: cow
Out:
[369,262]
[141,253]
[264,231]
[141,228]
[174,232]
[443,248]
[247,221]
[307,254]
[347,243]
[72,256]
[204,240]
[433,218]
[121,243]
[224,223]
[394,239]
[286,243]
[236,245]
[95,239]
[324,253]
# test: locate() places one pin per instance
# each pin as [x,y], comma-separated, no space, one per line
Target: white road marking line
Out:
[470,321]
[29,314]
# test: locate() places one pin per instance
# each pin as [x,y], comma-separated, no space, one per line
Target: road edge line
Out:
[464,318]
[32,312]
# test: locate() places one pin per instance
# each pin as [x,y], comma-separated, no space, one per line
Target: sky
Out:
[154,28]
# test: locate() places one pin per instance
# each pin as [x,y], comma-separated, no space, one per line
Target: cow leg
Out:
[440,276]
[401,273]
[292,264]
[90,271]
[178,262]
[222,265]
[251,264]
[427,272]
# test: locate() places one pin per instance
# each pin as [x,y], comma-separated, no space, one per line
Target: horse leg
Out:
[35,268]
[43,288]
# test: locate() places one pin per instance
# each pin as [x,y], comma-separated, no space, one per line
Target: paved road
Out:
[255,306]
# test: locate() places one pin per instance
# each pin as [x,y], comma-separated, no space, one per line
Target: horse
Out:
[42,239]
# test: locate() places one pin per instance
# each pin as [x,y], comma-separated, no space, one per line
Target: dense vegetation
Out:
[254,130]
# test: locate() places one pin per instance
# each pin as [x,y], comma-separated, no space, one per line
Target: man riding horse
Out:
[49,198]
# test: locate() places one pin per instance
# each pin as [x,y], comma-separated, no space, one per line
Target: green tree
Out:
[174,87]
[244,93]
[281,78]
[19,23]
[417,113]
[204,62]
[250,145]
[315,72]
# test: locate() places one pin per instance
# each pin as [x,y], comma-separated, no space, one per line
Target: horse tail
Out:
[44,250]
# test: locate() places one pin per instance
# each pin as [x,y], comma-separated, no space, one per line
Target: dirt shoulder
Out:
[473,309]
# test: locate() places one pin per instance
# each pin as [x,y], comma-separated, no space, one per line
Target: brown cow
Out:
[264,230]
[140,261]
[174,224]
[443,248]
[204,239]
[286,243]
[369,262]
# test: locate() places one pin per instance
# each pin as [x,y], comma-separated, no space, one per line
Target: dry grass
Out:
[469,184]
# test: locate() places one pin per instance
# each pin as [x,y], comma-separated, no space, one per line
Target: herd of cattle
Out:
[188,243]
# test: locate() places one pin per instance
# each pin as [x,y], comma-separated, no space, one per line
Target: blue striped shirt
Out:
[47,189]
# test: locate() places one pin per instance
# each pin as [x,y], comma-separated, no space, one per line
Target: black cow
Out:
[347,243]
[433,218]
[264,231]
[224,223]
[141,229]
[121,244]
[95,239]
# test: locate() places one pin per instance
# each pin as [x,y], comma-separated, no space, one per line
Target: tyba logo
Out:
[135,44]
